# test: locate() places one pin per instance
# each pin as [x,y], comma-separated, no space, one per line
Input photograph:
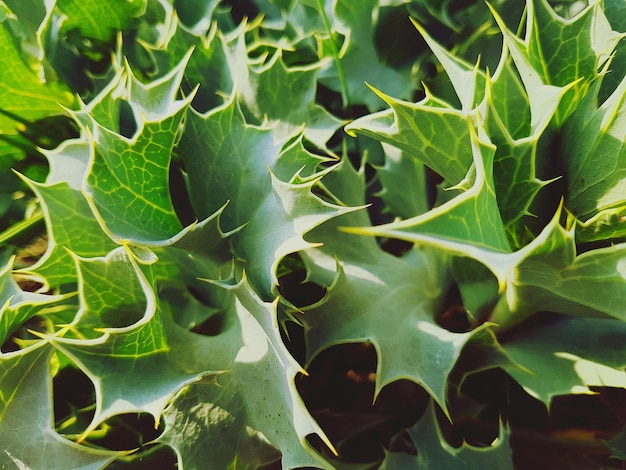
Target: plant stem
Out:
[345,94]
[21,229]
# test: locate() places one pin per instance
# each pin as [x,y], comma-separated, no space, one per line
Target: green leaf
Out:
[228,159]
[448,226]
[286,97]
[196,14]
[515,126]
[25,95]
[434,452]
[544,274]
[211,413]
[122,360]
[284,420]
[548,276]
[253,402]
[586,352]
[283,96]
[562,53]
[98,21]
[33,19]
[17,305]
[357,61]
[594,141]
[71,227]
[614,15]
[374,296]
[468,81]
[208,65]
[26,417]
[128,178]
[403,181]
[429,131]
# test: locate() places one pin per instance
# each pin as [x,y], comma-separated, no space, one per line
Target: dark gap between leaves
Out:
[339,392]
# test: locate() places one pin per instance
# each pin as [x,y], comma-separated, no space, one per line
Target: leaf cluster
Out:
[311,234]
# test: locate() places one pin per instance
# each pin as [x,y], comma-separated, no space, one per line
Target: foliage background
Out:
[420,203]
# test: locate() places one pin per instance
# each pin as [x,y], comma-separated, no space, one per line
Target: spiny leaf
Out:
[208,67]
[122,360]
[227,158]
[448,225]
[283,96]
[429,131]
[433,450]
[17,306]
[26,417]
[71,226]
[468,82]
[284,420]
[527,280]
[545,55]
[586,352]
[515,130]
[614,14]
[389,301]
[594,142]
[404,184]
[211,413]
[196,14]
[97,21]
[357,59]
[25,96]
[128,182]
[253,403]
[547,275]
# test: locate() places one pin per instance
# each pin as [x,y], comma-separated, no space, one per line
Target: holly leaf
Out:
[434,451]
[527,281]
[98,21]
[118,302]
[253,403]
[547,275]
[447,226]
[17,306]
[134,172]
[26,417]
[403,181]
[555,345]
[594,137]
[71,227]
[357,60]
[215,413]
[207,72]
[552,44]
[228,159]
[429,131]
[468,81]
[391,302]
[25,94]
[284,96]
[515,130]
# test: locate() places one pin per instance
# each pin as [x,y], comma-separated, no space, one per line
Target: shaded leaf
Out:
[594,141]
[131,366]
[17,306]
[433,450]
[26,417]
[586,352]
[227,158]
[357,60]
[391,302]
